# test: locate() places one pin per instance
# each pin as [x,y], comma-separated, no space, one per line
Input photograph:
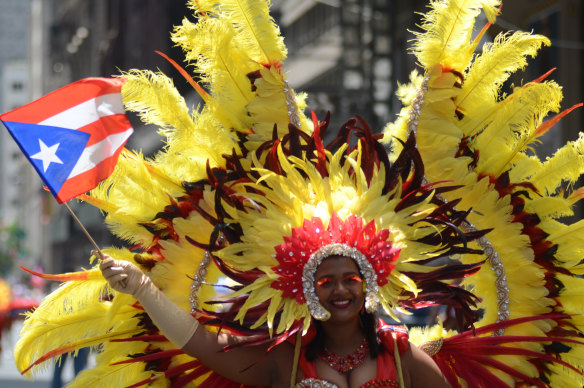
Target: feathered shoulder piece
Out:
[471,134]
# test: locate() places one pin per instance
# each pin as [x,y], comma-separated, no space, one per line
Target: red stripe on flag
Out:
[63,99]
[85,182]
[105,127]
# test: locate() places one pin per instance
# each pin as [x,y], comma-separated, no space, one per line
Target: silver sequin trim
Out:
[431,348]
[497,267]
[293,114]
[416,106]
[501,278]
[198,279]
[337,249]
[492,255]
[315,383]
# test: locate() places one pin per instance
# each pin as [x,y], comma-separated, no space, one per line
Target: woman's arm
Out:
[246,365]
[421,371]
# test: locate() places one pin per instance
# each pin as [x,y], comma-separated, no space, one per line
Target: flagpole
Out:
[99,253]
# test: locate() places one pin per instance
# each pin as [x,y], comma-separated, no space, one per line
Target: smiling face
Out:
[339,288]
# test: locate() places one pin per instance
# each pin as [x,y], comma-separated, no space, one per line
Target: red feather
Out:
[65,277]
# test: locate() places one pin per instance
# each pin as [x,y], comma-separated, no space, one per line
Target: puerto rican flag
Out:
[74,135]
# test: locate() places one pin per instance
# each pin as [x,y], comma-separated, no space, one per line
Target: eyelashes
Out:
[347,279]
[354,278]
[324,281]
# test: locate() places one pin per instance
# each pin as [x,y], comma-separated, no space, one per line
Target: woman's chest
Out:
[364,376]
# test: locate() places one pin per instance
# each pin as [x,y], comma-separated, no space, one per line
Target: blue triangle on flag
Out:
[66,144]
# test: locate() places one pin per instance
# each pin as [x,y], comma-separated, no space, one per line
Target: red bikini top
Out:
[386,369]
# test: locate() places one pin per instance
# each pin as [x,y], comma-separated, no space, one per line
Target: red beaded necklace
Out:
[344,364]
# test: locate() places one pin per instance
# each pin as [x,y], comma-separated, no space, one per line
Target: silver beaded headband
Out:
[337,249]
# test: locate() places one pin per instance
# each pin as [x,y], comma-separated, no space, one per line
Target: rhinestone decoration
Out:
[337,249]
[344,364]
[293,114]
[501,282]
[381,383]
[497,267]
[417,106]
[431,348]
[315,383]
[485,244]
[198,279]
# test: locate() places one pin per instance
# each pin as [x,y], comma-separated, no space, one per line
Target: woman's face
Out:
[339,288]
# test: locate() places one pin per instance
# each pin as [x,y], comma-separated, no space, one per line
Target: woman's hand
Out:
[175,323]
[123,276]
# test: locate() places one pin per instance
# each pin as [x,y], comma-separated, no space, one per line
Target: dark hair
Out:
[369,325]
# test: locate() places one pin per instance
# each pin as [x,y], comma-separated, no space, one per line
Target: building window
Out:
[547,23]
[17,86]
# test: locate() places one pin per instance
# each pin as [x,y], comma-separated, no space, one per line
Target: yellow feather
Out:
[73,311]
[554,207]
[569,160]
[208,44]
[155,99]
[524,166]
[448,30]
[421,335]
[514,124]
[492,68]
[570,240]
[256,31]
[232,40]
[108,375]
[572,294]
[150,194]
[122,375]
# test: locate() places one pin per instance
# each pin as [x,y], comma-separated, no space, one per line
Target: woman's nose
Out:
[339,288]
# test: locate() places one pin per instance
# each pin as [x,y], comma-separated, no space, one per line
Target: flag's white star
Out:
[48,155]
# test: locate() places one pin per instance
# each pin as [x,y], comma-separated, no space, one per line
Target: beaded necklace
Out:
[344,364]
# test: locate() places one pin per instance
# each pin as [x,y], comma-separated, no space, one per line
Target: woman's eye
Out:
[353,279]
[324,282]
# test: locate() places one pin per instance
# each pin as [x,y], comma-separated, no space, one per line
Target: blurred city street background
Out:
[9,376]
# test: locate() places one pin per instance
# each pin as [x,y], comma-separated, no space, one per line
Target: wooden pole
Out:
[296,358]
[96,251]
[99,253]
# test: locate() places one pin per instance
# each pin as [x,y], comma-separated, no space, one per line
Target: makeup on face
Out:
[339,286]
[347,279]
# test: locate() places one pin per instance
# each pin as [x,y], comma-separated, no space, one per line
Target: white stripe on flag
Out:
[98,152]
[87,112]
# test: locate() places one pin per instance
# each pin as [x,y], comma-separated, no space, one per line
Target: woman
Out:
[339,287]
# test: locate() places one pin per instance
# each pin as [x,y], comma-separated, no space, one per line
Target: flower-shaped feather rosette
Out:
[307,246]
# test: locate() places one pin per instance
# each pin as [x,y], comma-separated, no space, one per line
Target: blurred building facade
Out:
[22,205]
[348,55]
[340,53]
